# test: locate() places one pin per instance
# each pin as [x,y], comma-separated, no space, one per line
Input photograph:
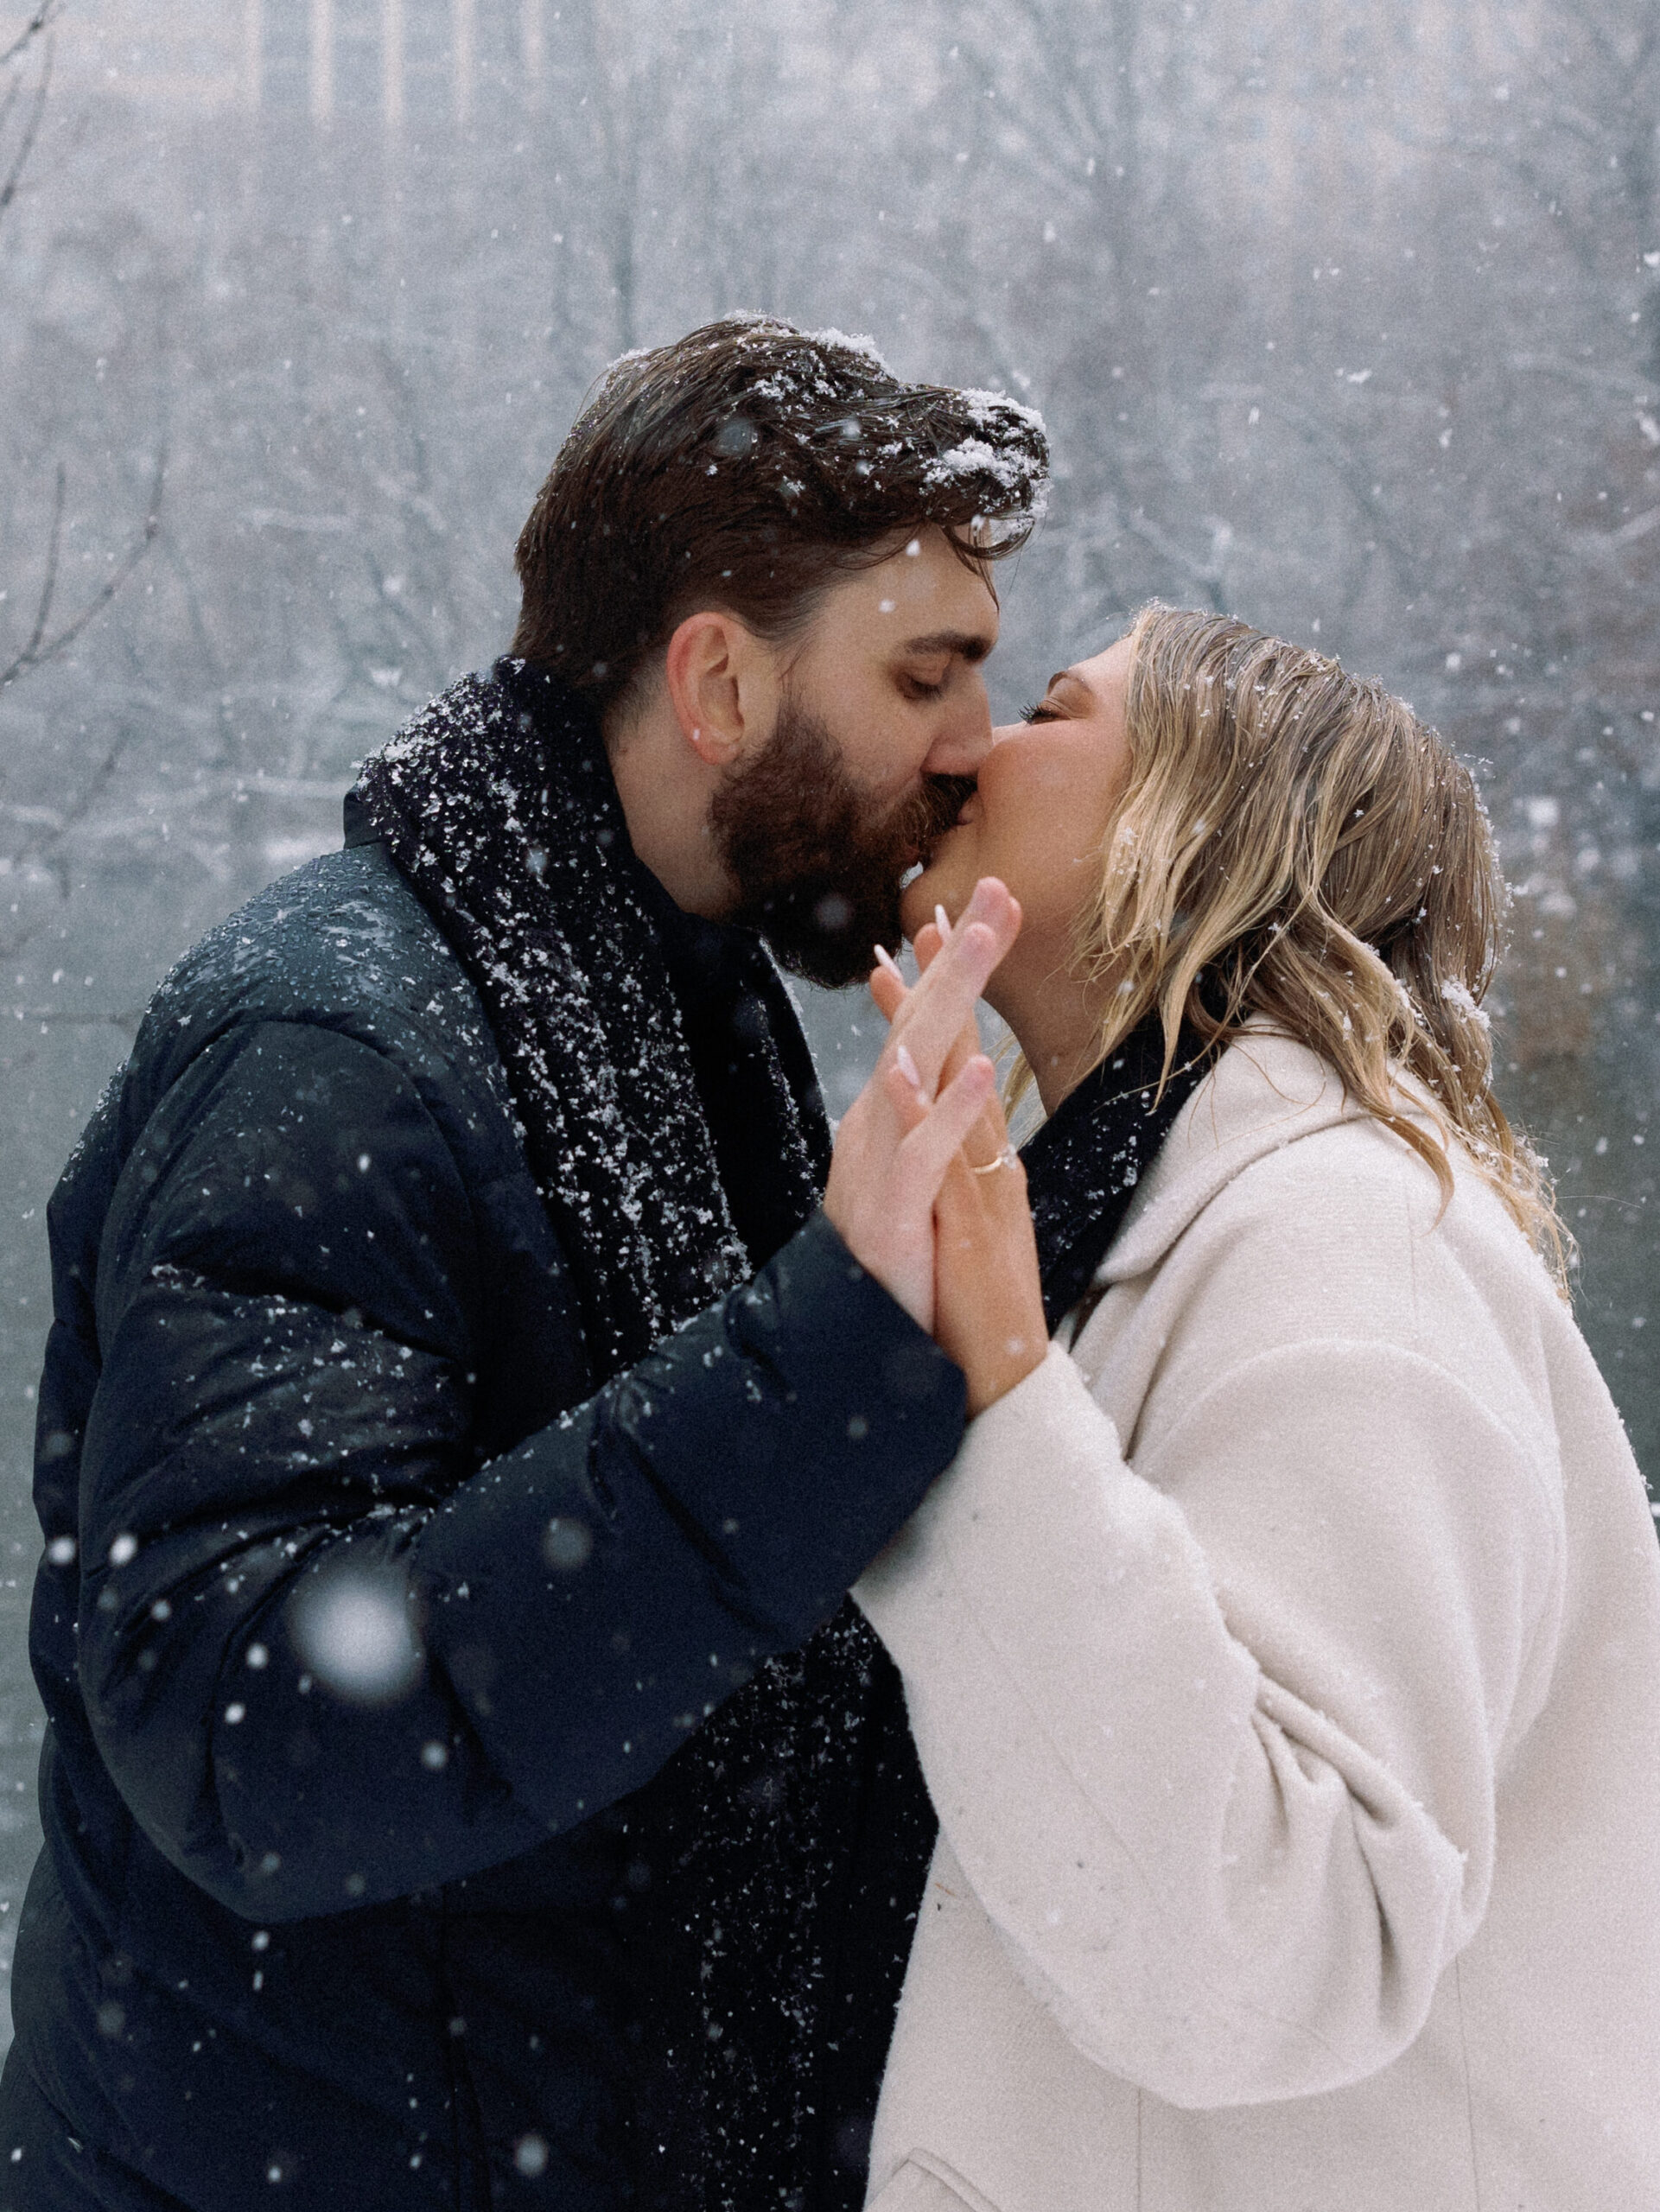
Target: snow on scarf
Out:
[497,802]
[1082,1166]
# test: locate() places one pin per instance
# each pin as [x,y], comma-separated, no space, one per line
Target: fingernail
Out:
[885,959]
[943,925]
[907,1067]
[984,896]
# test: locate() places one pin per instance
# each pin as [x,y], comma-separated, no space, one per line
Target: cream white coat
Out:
[1285,1666]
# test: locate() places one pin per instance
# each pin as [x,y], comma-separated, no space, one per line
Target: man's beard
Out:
[816,875]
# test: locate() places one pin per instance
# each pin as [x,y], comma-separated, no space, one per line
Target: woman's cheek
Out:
[958,864]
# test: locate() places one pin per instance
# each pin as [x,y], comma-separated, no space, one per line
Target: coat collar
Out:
[1265,1092]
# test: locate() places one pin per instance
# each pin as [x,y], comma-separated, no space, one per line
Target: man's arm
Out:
[327,1657]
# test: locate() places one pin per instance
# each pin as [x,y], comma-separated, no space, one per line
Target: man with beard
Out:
[465,1784]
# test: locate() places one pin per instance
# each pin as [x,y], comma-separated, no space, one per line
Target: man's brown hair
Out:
[747,467]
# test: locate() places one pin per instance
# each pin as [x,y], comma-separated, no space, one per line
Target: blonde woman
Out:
[1283,1648]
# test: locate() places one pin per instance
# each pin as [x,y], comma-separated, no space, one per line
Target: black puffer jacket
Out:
[283,1945]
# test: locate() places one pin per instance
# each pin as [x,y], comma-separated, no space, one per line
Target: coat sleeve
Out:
[327,1657]
[1214,1738]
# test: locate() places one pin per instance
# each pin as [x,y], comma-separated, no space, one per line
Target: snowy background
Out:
[1344,316]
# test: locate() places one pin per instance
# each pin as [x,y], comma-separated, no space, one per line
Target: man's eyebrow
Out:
[972,644]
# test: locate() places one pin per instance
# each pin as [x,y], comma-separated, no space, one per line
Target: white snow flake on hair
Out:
[1017,473]
[986,407]
[857,342]
[1455,994]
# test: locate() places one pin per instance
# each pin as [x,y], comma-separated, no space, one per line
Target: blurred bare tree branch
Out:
[44,643]
[39,22]
[10,100]
[37,835]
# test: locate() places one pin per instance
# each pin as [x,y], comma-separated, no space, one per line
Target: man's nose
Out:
[964,742]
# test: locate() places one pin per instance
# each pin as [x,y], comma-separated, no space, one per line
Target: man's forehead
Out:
[941,602]
[917,604]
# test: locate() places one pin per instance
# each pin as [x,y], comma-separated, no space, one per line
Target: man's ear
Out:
[712,668]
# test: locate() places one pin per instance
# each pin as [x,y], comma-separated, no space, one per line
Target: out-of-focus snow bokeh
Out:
[1344,318]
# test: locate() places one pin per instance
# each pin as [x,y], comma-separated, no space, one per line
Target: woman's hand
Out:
[897,1141]
[988,1299]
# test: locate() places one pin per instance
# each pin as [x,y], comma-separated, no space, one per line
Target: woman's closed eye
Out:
[1045,710]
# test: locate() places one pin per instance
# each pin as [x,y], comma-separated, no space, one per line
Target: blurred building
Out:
[1325,101]
[1327,107]
[403,59]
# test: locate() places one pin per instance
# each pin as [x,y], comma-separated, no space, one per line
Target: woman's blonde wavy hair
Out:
[1296,849]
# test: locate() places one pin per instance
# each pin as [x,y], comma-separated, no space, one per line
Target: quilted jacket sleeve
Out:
[327,1655]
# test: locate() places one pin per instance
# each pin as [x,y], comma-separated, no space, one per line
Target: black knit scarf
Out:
[1083,1166]
[498,803]
[774,1921]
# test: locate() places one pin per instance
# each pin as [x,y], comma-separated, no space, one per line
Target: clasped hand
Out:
[954,1247]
